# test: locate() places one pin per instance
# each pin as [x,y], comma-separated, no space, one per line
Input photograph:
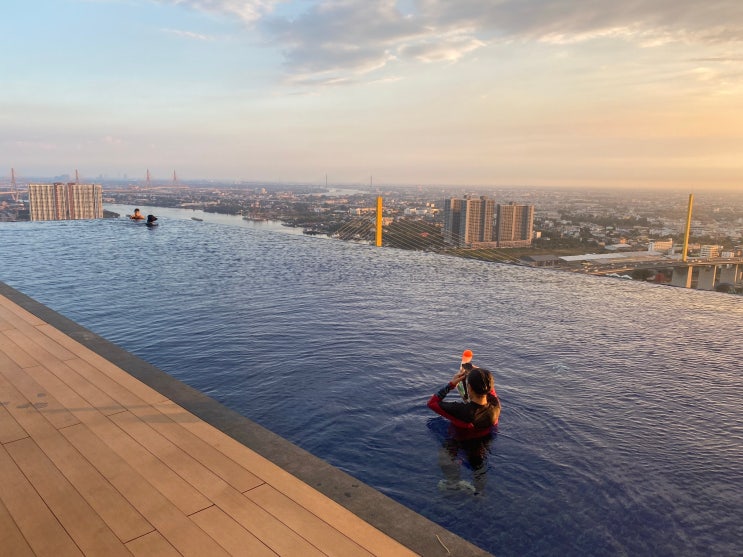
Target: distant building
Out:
[541,260]
[452,218]
[70,201]
[514,225]
[709,252]
[663,246]
[480,223]
[468,222]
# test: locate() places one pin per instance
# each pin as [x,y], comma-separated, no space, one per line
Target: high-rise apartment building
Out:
[468,221]
[452,217]
[480,223]
[65,201]
[514,225]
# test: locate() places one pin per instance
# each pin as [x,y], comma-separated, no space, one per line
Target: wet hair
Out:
[480,380]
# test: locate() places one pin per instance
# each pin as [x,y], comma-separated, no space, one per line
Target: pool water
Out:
[621,431]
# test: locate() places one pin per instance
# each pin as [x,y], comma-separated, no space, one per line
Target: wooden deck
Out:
[95,462]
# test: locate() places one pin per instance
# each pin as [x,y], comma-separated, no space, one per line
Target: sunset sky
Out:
[600,93]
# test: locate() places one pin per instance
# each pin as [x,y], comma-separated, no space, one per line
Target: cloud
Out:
[441,49]
[248,11]
[335,37]
[340,41]
[187,34]
[711,21]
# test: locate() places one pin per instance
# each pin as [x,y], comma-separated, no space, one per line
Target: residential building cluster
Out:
[482,223]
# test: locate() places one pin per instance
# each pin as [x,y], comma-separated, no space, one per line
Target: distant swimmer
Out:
[137,215]
[151,220]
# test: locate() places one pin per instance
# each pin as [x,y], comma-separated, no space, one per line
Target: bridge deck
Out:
[95,462]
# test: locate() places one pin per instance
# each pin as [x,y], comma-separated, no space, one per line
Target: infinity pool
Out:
[620,434]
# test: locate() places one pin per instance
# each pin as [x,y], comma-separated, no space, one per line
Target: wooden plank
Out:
[180,462]
[229,470]
[78,518]
[171,522]
[272,531]
[9,395]
[36,396]
[117,392]
[14,352]
[11,539]
[65,373]
[264,526]
[15,312]
[39,526]
[163,478]
[323,536]
[115,511]
[233,537]
[174,487]
[188,499]
[5,324]
[159,474]
[333,513]
[35,342]
[146,393]
[152,544]
[10,430]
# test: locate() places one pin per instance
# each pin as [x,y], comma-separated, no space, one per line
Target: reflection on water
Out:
[457,453]
[620,432]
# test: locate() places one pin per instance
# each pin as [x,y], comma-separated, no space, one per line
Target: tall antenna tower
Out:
[77,177]
[147,182]
[175,179]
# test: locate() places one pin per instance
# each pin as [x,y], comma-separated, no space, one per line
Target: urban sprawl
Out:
[637,235]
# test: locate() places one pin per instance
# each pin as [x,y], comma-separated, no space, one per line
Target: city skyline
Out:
[527,93]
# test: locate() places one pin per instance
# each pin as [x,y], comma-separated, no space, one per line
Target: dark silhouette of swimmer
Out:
[151,220]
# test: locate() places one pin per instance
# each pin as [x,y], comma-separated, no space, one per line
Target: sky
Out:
[563,93]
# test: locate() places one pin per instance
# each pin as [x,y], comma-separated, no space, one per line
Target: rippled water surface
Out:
[621,431]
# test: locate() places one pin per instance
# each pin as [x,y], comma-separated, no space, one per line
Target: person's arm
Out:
[434,403]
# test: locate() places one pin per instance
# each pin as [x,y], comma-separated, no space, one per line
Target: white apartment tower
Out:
[70,201]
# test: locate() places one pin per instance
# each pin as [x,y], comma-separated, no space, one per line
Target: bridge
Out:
[707,273]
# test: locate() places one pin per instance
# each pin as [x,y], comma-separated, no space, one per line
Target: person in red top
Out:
[473,421]
[480,412]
